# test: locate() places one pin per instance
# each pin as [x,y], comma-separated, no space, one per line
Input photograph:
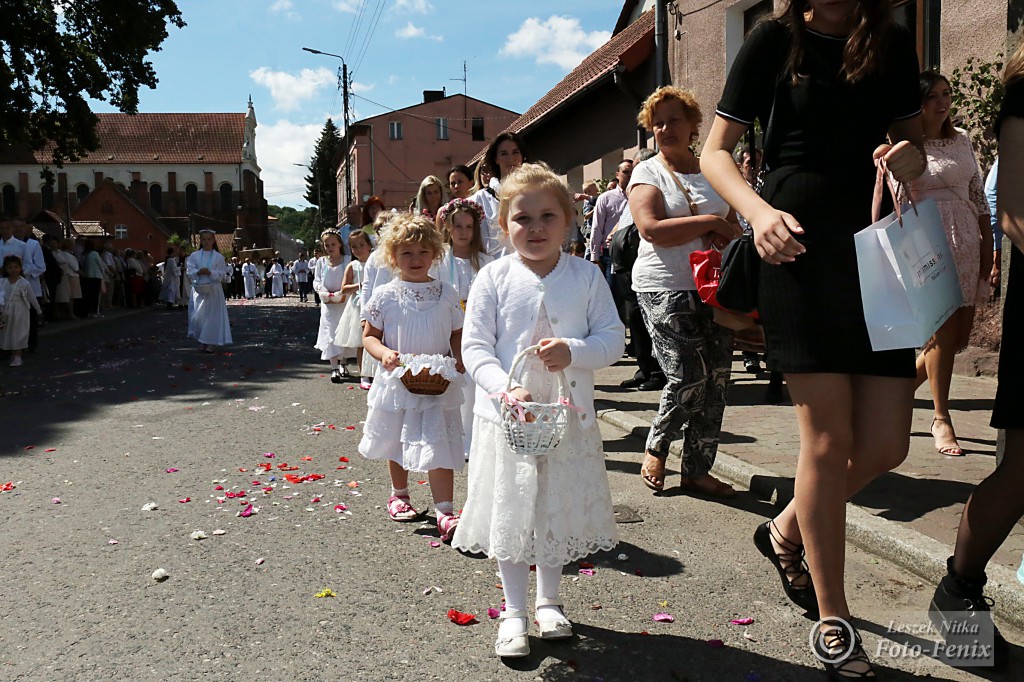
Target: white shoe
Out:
[516,646]
[558,627]
[16,362]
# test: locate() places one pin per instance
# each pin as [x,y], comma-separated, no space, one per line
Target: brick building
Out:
[391,153]
[151,175]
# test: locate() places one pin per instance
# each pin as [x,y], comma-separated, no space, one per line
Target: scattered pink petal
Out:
[435,544]
[460,618]
[55,500]
[269,455]
[742,621]
[340,508]
[350,428]
[716,644]
[32,447]
[314,500]
[218,487]
[50,450]
[493,613]
[585,564]
[247,512]
[307,459]
[259,562]
[664,618]
[587,571]
[111,541]
[172,471]
[185,499]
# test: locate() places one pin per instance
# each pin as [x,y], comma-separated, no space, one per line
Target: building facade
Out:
[179,169]
[390,154]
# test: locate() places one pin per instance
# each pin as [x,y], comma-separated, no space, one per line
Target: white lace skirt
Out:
[549,510]
[350,330]
[419,440]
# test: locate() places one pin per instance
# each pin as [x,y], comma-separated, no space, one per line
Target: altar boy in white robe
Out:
[207,310]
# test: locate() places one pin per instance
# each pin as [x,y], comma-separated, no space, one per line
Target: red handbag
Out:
[707,270]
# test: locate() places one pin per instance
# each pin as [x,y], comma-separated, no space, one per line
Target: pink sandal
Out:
[400,510]
[446,525]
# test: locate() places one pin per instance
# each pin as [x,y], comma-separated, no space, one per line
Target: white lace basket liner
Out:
[427,374]
[542,435]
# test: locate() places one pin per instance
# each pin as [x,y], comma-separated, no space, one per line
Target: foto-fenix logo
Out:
[832,640]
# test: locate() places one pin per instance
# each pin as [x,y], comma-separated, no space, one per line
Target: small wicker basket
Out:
[424,383]
[534,428]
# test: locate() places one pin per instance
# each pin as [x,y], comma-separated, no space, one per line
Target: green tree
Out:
[977,96]
[300,224]
[321,189]
[54,54]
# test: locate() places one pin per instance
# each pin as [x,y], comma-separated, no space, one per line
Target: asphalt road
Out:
[104,421]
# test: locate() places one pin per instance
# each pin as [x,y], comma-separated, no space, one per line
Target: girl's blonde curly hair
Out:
[407,228]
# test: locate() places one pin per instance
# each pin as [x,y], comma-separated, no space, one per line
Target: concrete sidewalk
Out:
[909,516]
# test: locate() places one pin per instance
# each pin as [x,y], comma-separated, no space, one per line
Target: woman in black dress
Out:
[829,80]
[996,504]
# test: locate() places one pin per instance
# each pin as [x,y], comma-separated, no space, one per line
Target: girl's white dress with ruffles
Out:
[544,510]
[349,336]
[418,432]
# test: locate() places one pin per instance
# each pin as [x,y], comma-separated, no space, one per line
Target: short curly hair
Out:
[668,92]
[407,228]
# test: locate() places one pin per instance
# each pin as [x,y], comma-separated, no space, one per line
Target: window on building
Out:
[120,231]
[156,198]
[395,130]
[226,204]
[191,198]
[8,200]
[478,130]
[922,19]
[82,191]
[46,196]
[442,129]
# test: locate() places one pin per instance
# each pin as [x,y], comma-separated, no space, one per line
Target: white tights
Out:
[514,579]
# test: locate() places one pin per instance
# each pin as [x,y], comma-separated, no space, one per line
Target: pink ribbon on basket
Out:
[565,401]
[512,401]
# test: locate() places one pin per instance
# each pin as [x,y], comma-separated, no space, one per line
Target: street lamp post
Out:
[344,86]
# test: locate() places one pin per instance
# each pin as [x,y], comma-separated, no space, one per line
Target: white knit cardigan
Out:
[501,318]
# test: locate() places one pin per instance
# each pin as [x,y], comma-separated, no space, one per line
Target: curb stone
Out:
[923,556]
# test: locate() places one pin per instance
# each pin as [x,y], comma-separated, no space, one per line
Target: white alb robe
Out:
[208,312]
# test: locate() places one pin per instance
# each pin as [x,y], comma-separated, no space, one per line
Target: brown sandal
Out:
[708,485]
[652,476]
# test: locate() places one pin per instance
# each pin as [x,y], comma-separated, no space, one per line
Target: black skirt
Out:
[1007,413]
[811,308]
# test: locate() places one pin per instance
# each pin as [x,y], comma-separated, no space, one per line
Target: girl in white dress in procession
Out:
[550,509]
[415,322]
[17,303]
[327,284]
[376,272]
[350,329]
[169,293]
[465,255]
[207,310]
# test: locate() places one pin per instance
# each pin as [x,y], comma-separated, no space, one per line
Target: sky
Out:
[233,49]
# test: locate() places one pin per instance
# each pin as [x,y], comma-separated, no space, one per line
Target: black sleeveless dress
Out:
[1007,413]
[822,133]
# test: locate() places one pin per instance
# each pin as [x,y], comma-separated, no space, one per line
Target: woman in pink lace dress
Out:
[952,179]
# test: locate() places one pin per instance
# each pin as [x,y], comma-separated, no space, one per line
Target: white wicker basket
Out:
[534,428]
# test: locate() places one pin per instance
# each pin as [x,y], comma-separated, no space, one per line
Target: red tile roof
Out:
[160,138]
[630,47]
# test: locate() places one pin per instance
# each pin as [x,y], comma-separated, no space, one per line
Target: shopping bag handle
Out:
[883,178]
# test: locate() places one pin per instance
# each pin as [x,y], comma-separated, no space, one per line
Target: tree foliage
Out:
[977,96]
[321,189]
[54,54]
[299,224]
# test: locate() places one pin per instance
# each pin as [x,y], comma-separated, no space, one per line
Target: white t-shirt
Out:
[668,268]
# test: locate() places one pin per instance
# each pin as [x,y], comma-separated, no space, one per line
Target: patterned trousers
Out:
[696,356]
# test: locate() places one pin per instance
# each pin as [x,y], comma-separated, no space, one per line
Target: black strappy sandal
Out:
[793,554]
[839,648]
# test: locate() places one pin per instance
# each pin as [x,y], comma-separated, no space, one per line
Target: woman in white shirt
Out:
[677,213]
[503,155]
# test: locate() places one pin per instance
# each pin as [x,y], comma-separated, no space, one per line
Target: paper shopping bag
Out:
[908,279]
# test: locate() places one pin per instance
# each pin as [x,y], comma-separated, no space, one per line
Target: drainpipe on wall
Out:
[661,43]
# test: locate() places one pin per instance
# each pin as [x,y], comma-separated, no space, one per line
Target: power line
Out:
[369,35]
[392,110]
[396,166]
[354,28]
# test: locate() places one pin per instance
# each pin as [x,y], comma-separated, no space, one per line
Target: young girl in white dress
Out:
[376,272]
[465,255]
[207,310]
[327,279]
[552,509]
[350,328]
[412,322]
[18,302]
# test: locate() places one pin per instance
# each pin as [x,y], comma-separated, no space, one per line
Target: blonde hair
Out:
[421,194]
[406,228]
[532,177]
[669,92]
[1014,65]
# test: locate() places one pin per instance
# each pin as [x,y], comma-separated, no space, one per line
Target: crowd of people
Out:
[453,314]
